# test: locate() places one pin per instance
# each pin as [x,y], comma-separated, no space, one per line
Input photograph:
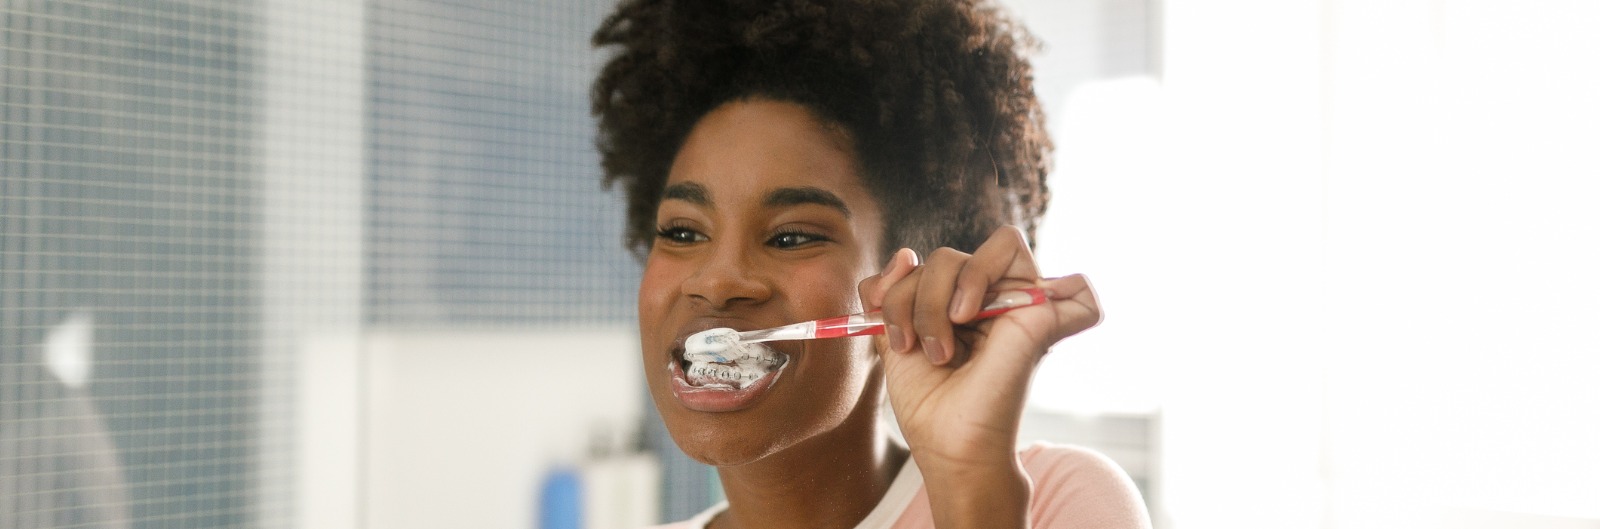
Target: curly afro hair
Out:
[935,94]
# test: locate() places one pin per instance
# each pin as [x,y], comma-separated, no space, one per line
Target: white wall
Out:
[1463,229]
[459,428]
[1346,247]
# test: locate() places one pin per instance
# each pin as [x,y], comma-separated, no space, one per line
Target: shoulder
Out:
[1069,461]
[1077,487]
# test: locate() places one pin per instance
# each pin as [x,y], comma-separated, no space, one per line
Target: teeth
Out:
[753,355]
[742,373]
[722,373]
[717,359]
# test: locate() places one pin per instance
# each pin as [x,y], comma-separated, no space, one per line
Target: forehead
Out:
[743,149]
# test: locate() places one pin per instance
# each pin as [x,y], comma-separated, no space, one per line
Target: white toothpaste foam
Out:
[717,359]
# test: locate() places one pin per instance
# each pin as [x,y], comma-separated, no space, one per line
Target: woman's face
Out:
[764,221]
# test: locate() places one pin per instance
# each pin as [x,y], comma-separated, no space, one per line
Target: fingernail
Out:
[935,352]
[897,339]
[1049,287]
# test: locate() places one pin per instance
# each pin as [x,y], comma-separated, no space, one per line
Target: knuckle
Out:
[924,313]
[973,277]
[1010,234]
[945,254]
[925,322]
[1086,315]
[867,285]
[894,300]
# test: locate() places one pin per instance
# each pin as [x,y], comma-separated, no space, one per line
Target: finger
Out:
[1009,358]
[896,310]
[1076,306]
[1005,255]
[930,318]
[872,289]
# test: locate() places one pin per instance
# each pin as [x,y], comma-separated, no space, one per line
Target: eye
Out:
[794,239]
[679,235]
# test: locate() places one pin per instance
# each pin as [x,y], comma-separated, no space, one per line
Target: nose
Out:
[728,277]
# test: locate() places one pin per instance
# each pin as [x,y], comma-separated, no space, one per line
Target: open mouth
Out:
[716,359]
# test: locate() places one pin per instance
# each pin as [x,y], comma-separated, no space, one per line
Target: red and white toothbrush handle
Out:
[871,323]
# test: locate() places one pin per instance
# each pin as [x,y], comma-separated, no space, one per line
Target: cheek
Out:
[825,289]
[657,286]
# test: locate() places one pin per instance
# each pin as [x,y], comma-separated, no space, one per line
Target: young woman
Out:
[792,160]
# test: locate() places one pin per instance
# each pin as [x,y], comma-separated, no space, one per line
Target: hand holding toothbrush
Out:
[957,384]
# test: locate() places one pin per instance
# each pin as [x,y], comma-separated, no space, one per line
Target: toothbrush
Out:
[870,323]
[724,345]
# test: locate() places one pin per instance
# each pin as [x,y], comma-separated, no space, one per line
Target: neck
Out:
[823,482]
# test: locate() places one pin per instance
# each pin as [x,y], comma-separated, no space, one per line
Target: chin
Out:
[722,445]
[724,457]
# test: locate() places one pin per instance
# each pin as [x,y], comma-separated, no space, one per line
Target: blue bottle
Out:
[561,500]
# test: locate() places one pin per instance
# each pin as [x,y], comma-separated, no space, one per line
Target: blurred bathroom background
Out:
[323,264]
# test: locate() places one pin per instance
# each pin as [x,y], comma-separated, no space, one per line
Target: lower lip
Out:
[716,400]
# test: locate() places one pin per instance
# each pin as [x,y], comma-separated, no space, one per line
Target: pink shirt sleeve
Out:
[1073,488]
[1081,489]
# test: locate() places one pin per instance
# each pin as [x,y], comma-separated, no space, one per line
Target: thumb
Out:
[1075,304]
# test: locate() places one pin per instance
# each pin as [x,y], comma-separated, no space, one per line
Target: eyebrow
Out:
[794,196]
[687,191]
[697,194]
